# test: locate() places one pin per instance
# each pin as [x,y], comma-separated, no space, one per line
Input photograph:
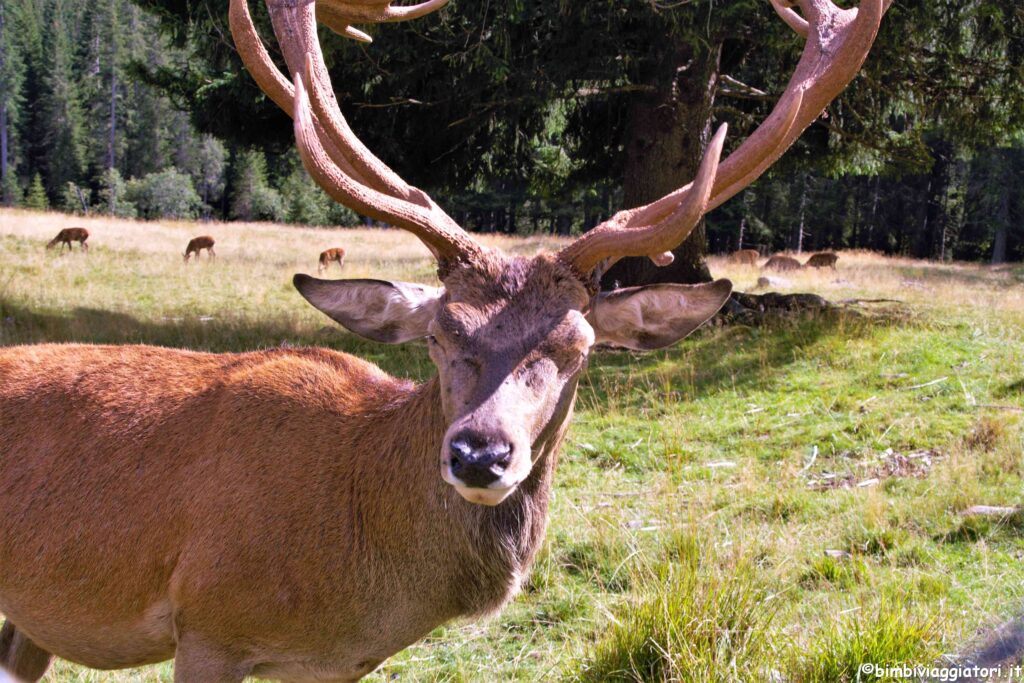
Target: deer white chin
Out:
[489,497]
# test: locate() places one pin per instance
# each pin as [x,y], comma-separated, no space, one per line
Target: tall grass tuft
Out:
[892,635]
[694,620]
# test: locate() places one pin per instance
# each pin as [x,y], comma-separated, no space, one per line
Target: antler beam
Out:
[838,42]
[335,157]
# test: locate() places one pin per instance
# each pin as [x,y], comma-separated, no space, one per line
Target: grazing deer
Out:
[197,244]
[298,514]
[69,235]
[336,255]
[780,262]
[745,257]
[824,259]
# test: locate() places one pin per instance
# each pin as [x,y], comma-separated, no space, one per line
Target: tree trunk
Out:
[4,170]
[874,214]
[112,143]
[803,213]
[667,132]
[932,240]
[1002,222]
[999,246]
[4,188]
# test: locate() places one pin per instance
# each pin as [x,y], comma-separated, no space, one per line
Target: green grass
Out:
[889,635]
[700,486]
[694,619]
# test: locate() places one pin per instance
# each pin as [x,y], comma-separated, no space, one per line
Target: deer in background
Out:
[782,262]
[329,256]
[197,244]
[823,259]
[745,257]
[298,514]
[69,235]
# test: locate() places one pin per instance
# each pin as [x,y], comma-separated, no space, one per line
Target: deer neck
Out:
[486,551]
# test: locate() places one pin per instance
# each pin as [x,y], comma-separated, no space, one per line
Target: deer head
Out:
[511,335]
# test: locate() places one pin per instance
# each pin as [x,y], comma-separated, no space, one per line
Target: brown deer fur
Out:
[69,235]
[329,256]
[316,553]
[825,259]
[746,257]
[780,262]
[280,513]
[197,244]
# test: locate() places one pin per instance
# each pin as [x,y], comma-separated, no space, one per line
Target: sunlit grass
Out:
[778,447]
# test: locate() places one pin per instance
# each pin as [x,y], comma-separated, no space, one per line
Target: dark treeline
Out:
[520,119]
[967,207]
[82,132]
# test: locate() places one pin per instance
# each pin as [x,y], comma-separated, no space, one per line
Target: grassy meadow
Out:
[780,502]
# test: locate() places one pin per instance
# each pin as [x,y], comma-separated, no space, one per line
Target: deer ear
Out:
[653,317]
[389,312]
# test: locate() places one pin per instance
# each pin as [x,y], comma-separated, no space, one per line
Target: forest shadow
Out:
[724,357]
[82,325]
[727,357]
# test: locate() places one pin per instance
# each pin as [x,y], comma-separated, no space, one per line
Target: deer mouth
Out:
[489,497]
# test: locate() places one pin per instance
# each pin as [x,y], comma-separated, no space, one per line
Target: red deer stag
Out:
[780,262]
[297,514]
[336,255]
[745,257]
[824,259]
[197,244]
[69,235]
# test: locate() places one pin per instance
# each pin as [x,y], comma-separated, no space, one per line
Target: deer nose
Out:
[477,460]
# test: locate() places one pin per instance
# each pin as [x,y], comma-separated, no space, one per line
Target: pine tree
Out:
[64,141]
[149,144]
[113,195]
[209,170]
[35,197]
[102,82]
[253,198]
[12,76]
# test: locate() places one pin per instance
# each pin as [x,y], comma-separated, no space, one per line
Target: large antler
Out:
[335,158]
[838,41]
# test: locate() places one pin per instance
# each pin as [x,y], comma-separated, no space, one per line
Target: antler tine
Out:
[263,70]
[295,26]
[610,241]
[344,148]
[339,17]
[795,21]
[838,42]
[335,156]
[418,220]
[374,11]
[339,133]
